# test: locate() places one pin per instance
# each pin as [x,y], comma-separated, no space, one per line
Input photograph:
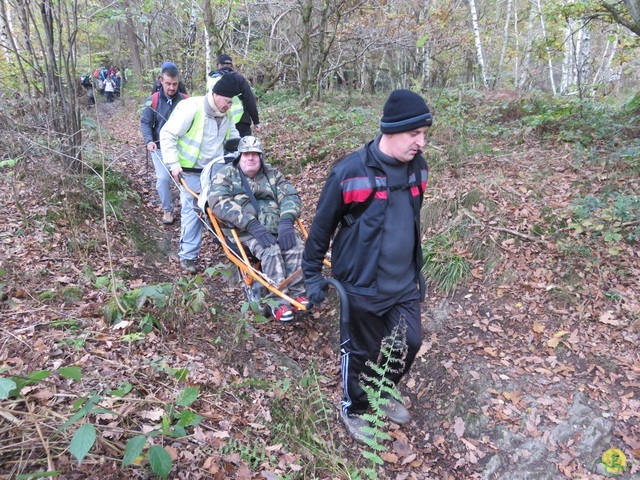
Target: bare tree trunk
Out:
[525,74]
[248,34]
[583,58]
[132,40]
[12,47]
[567,78]
[25,17]
[189,49]
[505,41]
[544,35]
[218,36]
[476,36]
[516,61]
[207,50]
[306,11]
[59,55]
[604,70]
[5,22]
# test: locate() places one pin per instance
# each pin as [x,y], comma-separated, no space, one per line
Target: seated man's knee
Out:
[271,251]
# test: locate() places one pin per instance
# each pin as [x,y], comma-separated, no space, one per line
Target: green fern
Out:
[378,388]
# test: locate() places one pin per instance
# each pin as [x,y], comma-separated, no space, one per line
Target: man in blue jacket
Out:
[375,195]
[158,108]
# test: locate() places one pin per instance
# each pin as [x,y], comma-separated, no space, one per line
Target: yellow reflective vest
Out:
[188,145]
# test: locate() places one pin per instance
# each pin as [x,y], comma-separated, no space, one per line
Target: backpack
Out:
[156,95]
[355,212]
[85,80]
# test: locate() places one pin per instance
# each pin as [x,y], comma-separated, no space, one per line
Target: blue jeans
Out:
[190,224]
[163,181]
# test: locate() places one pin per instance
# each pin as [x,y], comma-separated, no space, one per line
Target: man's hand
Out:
[258,127]
[316,289]
[286,234]
[175,173]
[261,234]
[152,147]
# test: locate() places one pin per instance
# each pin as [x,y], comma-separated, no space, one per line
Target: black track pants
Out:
[370,320]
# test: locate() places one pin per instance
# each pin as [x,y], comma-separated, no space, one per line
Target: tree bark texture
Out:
[478,43]
[132,40]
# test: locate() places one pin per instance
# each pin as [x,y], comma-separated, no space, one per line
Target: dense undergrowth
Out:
[99,356]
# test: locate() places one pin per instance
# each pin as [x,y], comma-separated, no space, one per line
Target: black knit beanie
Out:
[227,86]
[403,112]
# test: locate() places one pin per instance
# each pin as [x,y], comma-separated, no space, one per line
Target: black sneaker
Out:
[355,425]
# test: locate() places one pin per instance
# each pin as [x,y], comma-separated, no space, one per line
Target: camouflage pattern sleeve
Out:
[226,198]
[288,198]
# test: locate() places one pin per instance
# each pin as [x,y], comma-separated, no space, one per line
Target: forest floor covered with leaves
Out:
[530,368]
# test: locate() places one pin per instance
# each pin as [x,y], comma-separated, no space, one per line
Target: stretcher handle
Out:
[344,300]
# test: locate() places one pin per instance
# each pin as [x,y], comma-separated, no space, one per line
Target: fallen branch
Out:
[516,233]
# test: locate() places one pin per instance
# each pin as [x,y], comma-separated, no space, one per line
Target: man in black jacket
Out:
[158,108]
[375,195]
[157,85]
[245,111]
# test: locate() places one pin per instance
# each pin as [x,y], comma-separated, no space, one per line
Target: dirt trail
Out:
[512,381]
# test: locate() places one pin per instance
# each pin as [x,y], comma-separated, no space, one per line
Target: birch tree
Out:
[478,43]
[5,21]
[568,67]
[132,40]
[189,47]
[604,70]
[549,58]
[505,41]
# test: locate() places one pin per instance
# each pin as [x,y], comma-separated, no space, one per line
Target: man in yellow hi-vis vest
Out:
[192,137]
[244,108]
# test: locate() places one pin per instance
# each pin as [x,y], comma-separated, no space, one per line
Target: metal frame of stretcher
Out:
[250,273]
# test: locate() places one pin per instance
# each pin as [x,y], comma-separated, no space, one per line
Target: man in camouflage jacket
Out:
[268,233]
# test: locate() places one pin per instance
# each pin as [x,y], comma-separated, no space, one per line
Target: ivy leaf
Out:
[133,449]
[187,396]
[160,461]
[82,441]
[74,373]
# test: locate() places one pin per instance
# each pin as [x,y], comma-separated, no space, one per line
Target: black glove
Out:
[286,234]
[316,289]
[261,234]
